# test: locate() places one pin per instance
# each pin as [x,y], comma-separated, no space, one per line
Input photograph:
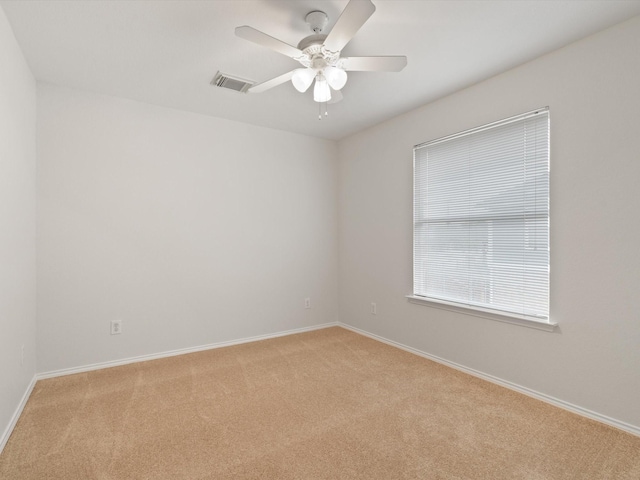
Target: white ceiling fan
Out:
[319,54]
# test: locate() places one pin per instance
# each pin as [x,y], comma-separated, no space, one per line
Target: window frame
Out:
[542,323]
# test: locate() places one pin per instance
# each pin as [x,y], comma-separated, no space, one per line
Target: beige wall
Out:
[192,230]
[17,226]
[593,361]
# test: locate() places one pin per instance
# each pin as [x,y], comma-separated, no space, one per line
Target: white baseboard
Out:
[181,351]
[634,430]
[16,415]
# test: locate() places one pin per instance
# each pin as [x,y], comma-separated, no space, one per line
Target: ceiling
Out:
[167,52]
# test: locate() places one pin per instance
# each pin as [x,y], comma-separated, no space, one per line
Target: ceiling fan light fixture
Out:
[336,77]
[303,78]
[321,90]
[319,54]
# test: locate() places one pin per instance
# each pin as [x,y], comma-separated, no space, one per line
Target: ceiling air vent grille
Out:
[223,80]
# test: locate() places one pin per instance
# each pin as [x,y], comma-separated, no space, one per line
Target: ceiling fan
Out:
[319,54]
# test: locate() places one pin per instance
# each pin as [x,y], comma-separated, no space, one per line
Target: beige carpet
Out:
[329,404]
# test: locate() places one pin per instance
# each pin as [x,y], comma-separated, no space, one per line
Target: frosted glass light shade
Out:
[303,78]
[336,77]
[321,90]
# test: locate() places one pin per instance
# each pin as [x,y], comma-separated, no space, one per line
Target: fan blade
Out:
[336,96]
[355,14]
[256,36]
[274,82]
[374,64]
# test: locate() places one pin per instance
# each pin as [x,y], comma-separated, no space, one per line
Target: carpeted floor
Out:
[328,404]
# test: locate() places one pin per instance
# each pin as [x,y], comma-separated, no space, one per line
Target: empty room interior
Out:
[319,239]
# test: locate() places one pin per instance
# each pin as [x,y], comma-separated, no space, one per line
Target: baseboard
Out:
[181,351]
[634,430]
[16,415]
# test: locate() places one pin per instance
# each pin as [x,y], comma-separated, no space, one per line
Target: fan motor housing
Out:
[310,41]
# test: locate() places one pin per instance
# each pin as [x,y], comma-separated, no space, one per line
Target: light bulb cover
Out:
[336,77]
[321,90]
[303,78]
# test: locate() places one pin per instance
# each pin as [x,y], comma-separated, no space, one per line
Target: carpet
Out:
[327,404]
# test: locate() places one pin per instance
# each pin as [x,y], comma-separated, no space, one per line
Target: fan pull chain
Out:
[326,112]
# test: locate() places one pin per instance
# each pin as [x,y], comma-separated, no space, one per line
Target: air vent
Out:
[223,80]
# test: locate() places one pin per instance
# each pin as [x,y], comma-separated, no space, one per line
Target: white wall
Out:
[593,90]
[190,229]
[17,225]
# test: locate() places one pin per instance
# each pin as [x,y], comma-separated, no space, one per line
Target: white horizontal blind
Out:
[481,217]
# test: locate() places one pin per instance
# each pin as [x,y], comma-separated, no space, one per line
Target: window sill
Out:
[521,320]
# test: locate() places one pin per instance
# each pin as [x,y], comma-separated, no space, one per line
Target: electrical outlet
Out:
[116,327]
[307,302]
[374,309]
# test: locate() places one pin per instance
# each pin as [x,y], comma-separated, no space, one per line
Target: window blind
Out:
[481,217]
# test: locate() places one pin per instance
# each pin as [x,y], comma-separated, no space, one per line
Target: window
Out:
[481,218]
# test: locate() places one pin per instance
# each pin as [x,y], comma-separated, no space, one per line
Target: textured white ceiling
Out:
[166,52]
